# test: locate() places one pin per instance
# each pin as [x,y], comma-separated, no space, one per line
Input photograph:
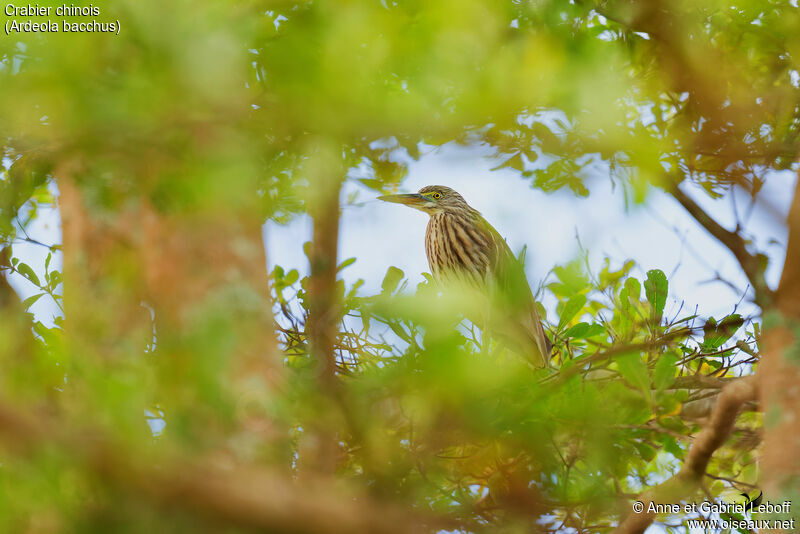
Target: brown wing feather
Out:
[465,247]
[513,293]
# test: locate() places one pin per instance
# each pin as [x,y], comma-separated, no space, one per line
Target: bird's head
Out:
[431,199]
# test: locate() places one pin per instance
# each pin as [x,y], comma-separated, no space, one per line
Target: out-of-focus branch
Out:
[243,497]
[12,313]
[713,436]
[752,266]
[556,380]
[682,59]
[685,61]
[8,297]
[324,309]
[324,313]
[700,382]
[702,408]
[788,295]
[779,373]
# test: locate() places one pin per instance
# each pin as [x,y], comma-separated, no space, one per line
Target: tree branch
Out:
[242,496]
[751,264]
[712,437]
[685,62]
[779,373]
[8,297]
[324,316]
[788,298]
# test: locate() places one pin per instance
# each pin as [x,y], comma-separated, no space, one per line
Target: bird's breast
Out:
[456,246]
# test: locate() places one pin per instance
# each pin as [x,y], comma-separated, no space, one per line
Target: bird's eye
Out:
[437,195]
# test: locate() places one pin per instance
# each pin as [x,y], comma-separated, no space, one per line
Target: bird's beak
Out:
[414,200]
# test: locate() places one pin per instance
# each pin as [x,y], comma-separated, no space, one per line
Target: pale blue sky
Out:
[658,234]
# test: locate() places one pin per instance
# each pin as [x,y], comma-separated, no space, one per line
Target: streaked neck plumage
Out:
[455,245]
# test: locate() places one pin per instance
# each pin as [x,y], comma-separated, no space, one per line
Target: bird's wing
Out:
[512,291]
[507,270]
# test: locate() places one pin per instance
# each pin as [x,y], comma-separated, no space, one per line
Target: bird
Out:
[462,246]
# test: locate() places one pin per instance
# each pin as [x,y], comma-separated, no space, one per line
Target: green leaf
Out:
[669,404]
[716,334]
[579,330]
[346,263]
[541,309]
[645,451]
[608,277]
[634,371]
[372,183]
[392,279]
[572,279]
[398,329]
[655,288]
[388,171]
[532,155]
[547,139]
[583,330]
[291,277]
[664,372]
[28,302]
[571,308]
[634,289]
[55,279]
[515,162]
[354,288]
[625,312]
[26,271]
[670,445]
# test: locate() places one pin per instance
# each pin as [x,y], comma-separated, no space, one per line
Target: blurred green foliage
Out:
[203,112]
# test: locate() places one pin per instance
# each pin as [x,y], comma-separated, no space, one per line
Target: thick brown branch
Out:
[779,373]
[19,341]
[237,496]
[8,297]
[750,263]
[556,380]
[324,308]
[684,58]
[700,382]
[713,436]
[324,317]
[788,298]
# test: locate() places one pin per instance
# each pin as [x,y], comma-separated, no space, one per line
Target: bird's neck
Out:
[441,220]
[466,214]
